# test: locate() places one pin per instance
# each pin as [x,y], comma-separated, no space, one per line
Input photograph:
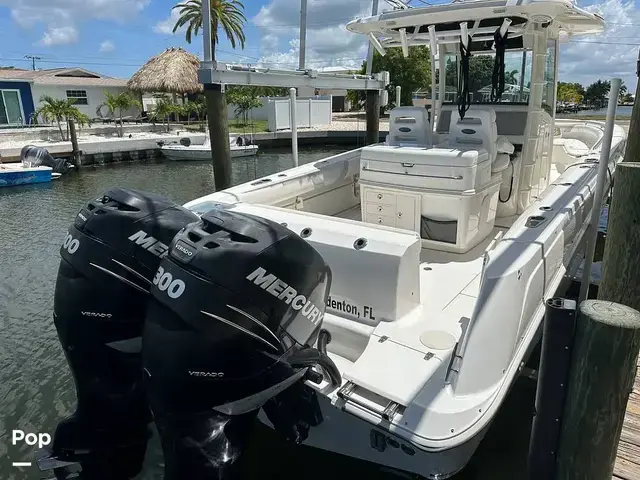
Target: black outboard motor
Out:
[33,156]
[109,257]
[237,305]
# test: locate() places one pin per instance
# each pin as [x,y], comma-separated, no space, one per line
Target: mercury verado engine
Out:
[237,305]
[109,257]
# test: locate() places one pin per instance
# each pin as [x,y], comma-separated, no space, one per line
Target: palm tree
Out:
[162,110]
[120,102]
[227,14]
[61,110]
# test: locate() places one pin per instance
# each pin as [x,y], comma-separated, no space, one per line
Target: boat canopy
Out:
[448,23]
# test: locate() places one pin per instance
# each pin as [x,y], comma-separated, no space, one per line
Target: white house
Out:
[86,87]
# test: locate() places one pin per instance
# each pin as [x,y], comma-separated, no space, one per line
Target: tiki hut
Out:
[173,71]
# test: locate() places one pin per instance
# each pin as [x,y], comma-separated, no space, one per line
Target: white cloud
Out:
[59,36]
[165,27]
[107,46]
[328,42]
[61,17]
[585,59]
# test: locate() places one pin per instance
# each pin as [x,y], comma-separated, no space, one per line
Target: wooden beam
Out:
[373,117]
[602,373]
[218,135]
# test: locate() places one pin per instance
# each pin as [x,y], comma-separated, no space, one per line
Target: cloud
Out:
[61,17]
[107,46]
[165,27]
[585,59]
[59,36]
[328,42]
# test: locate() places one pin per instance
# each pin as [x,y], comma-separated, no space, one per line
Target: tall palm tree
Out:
[227,14]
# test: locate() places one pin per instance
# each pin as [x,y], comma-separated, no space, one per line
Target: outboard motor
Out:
[237,306]
[33,156]
[109,257]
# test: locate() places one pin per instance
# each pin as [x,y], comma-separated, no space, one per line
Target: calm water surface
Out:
[36,388]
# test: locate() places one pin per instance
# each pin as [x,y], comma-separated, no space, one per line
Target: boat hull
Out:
[195,153]
[13,175]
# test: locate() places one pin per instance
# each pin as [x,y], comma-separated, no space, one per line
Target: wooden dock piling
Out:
[602,374]
[75,149]
[373,117]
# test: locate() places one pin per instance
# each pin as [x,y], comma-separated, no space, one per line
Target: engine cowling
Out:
[236,308]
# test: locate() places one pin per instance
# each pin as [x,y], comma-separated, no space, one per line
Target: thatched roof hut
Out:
[173,71]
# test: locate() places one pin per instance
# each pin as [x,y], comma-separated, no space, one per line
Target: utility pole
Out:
[33,59]
[303,34]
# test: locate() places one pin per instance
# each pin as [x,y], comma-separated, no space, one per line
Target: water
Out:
[621,112]
[36,390]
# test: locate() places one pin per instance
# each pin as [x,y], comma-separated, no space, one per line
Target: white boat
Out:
[203,152]
[444,241]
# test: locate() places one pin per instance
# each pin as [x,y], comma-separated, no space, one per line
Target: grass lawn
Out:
[234,127]
[256,126]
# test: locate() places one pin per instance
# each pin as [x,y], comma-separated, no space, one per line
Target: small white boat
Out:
[239,146]
[446,240]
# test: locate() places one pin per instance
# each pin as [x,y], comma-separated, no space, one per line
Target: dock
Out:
[627,465]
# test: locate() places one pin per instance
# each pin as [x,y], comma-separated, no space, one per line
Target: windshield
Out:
[517,79]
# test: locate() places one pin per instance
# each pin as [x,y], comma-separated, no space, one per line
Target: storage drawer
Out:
[380,209]
[381,220]
[378,196]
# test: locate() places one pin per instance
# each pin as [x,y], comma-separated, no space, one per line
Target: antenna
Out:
[33,59]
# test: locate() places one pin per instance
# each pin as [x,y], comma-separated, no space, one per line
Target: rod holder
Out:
[377,45]
[464,34]
[432,42]
[404,42]
[506,23]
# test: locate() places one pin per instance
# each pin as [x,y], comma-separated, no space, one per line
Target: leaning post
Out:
[603,368]
[75,149]
[373,117]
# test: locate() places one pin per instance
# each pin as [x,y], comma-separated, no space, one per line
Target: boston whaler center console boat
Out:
[444,241]
[379,303]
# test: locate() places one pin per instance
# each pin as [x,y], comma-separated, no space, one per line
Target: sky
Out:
[115,37]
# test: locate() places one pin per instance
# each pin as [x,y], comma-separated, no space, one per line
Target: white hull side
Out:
[197,152]
[346,434]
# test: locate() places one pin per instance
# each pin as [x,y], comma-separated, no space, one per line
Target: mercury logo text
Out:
[286,293]
[149,243]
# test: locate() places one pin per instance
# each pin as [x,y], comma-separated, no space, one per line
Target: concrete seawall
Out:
[113,149]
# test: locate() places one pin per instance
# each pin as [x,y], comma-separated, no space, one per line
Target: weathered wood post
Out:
[602,372]
[75,149]
[373,117]
[621,261]
[219,135]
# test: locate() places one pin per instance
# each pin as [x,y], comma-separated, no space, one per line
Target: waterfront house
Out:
[20,91]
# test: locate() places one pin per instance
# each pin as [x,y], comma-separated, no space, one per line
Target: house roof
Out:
[61,76]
